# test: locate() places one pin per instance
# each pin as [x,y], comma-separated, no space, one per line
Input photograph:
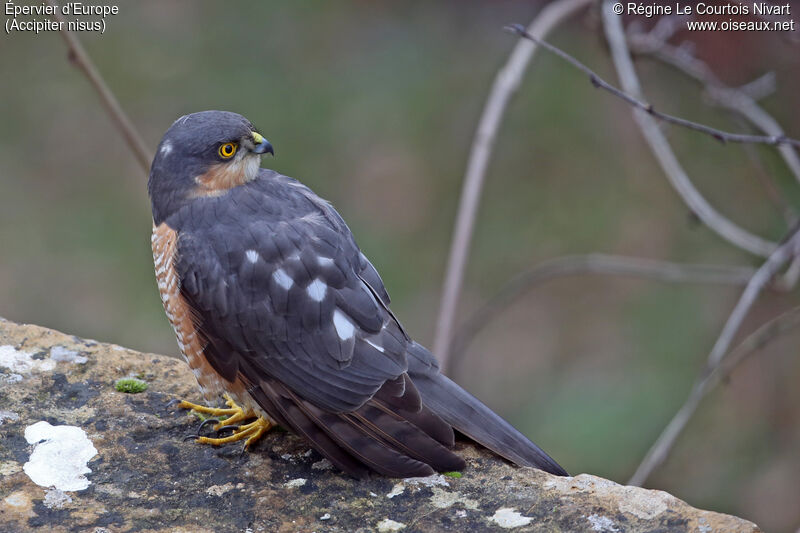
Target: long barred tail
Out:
[405,429]
[468,415]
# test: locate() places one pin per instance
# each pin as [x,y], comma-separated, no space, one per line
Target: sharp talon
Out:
[172,402]
[244,449]
[206,422]
[235,418]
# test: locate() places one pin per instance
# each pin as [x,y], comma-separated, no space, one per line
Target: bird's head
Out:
[203,154]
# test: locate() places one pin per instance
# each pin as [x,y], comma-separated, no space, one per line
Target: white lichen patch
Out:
[397,490]
[390,525]
[61,354]
[294,483]
[56,499]
[22,362]
[10,378]
[17,499]
[645,505]
[8,415]
[508,518]
[602,523]
[59,457]
[428,481]
[444,499]
[326,516]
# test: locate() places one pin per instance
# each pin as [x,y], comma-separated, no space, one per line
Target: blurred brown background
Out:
[374,106]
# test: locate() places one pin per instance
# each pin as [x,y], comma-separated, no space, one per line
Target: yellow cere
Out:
[257,137]
[227,150]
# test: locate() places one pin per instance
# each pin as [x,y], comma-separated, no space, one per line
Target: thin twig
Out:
[600,83]
[773,193]
[759,88]
[757,340]
[669,25]
[601,264]
[754,287]
[742,101]
[716,359]
[79,57]
[663,152]
[505,85]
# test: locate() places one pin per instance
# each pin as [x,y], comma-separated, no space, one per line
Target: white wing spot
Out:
[282,278]
[252,255]
[166,148]
[344,328]
[324,261]
[316,290]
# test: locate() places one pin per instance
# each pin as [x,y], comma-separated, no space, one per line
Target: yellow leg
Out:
[252,431]
[235,414]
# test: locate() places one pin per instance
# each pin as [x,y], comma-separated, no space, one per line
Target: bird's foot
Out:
[252,431]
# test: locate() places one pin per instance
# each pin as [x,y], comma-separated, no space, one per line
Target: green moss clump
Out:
[130,385]
[451,474]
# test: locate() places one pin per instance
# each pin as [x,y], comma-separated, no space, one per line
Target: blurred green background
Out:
[374,106]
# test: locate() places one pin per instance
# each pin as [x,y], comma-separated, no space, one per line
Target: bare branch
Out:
[788,280]
[742,101]
[597,81]
[669,25]
[664,154]
[79,57]
[717,364]
[505,85]
[761,87]
[601,264]
[754,287]
[757,340]
[771,189]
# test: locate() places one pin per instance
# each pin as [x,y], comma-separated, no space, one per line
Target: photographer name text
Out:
[695,10]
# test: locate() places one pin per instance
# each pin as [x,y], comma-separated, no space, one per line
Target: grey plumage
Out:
[286,303]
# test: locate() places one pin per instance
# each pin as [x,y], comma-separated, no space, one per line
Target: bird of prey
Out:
[275,307]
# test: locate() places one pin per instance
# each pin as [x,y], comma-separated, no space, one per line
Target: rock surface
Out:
[142,476]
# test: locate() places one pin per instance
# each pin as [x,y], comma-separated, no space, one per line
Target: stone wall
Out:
[76,454]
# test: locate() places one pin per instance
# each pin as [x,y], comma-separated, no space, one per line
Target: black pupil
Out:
[227,149]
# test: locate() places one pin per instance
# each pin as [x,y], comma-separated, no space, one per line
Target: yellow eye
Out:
[227,150]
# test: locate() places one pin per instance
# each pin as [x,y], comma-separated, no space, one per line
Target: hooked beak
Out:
[262,146]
